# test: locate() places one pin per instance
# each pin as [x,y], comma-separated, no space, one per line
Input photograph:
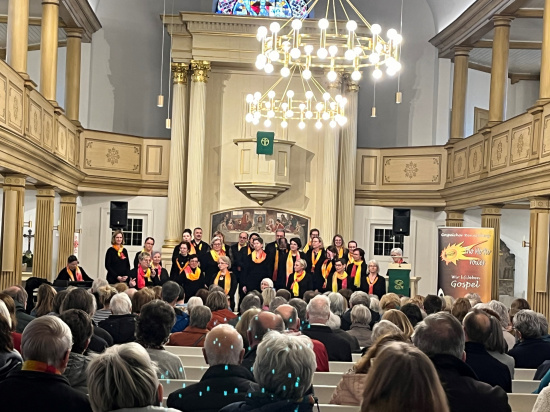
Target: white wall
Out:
[477,95]
[33,70]
[96,235]
[521,96]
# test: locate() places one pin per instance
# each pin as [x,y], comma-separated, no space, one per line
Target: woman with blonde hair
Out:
[116,260]
[402,378]
[400,320]
[105,293]
[226,280]
[460,308]
[301,280]
[44,300]
[268,295]
[389,301]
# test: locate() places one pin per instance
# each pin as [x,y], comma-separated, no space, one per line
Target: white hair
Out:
[374,303]
[336,303]
[360,314]
[527,323]
[334,321]
[397,251]
[193,302]
[223,345]
[502,312]
[98,283]
[121,304]
[5,313]
[285,365]
[383,328]
[318,309]
[46,339]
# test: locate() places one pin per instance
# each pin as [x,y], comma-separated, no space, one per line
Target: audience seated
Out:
[152,331]
[290,317]
[389,301]
[19,295]
[125,379]
[121,325]
[359,298]
[318,314]
[285,294]
[496,345]
[193,302]
[412,312]
[283,371]
[474,298]
[10,305]
[194,335]
[301,307]
[543,401]
[105,294]
[80,325]
[260,324]
[399,319]
[460,308]
[140,298]
[170,293]
[39,385]
[516,306]
[531,351]
[268,294]
[504,320]
[477,330]
[225,381]
[441,337]
[10,359]
[360,329]
[276,302]
[432,304]
[44,300]
[219,306]
[243,325]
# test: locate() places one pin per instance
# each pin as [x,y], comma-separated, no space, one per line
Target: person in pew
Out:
[318,314]
[105,294]
[152,331]
[225,381]
[259,326]
[243,326]
[360,319]
[147,248]
[44,300]
[504,319]
[40,384]
[121,325]
[19,296]
[117,263]
[72,272]
[543,401]
[496,345]
[403,379]
[399,319]
[170,294]
[10,359]
[194,335]
[290,317]
[477,330]
[283,371]
[218,304]
[412,312]
[531,351]
[125,379]
[441,337]
[358,298]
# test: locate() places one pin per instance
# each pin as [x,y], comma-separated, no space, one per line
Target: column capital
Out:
[539,203]
[462,51]
[200,69]
[68,198]
[502,20]
[45,191]
[52,2]
[492,209]
[14,180]
[351,85]
[74,32]
[180,72]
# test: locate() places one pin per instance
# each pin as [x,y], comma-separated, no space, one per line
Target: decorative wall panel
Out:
[3,97]
[475,159]
[369,169]
[545,137]
[499,151]
[35,121]
[112,156]
[15,108]
[460,164]
[411,170]
[47,122]
[153,160]
[61,144]
[520,147]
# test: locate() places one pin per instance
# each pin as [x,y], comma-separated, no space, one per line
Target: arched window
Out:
[269,8]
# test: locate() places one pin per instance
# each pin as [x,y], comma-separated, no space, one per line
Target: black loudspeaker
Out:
[401,222]
[119,215]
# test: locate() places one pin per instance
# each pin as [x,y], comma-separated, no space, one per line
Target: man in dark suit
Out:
[201,247]
[259,326]
[225,381]
[477,327]
[318,313]
[271,247]
[237,253]
[532,350]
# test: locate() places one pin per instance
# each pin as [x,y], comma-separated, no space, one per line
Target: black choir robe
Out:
[279,272]
[344,255]
[201,248]
[175,274]
[191,287]
[282,275]
[64,275]
[328,263]
[237,259]
[305,284]
[317,276]
[115,265]
[340,283]
[232,288]
[152,281]
[255,272]
[209,266]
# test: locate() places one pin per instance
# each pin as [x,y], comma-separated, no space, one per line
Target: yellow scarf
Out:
[306,248]
[357,281]
[298,277]
[216,255]
[119,249]
[335,278]
[37,366]
[181,268]
[314,259]
[190,275]
[227,285]
[258,257]
[290,264]
[350,259]
[341,253]
[325,270]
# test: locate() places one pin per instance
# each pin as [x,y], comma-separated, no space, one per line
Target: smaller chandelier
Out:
[317,106]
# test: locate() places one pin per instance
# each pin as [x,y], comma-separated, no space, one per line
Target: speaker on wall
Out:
[401,221]
[119,215]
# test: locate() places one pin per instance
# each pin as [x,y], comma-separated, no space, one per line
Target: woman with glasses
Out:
[192,278]
[226,280]
[210,259]
[147,247]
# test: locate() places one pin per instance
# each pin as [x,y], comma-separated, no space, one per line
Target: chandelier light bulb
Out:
[249,98]
[326,115]
[284,124]
[319,106]
[284,106]
[274,55]
[257,96]
[270,114]
[309,95]
[268,68]
[377,73]
[260,65]
[308,49]
[286,46]
[302,107]
[332,124]
[257,115]
[332,105]
[296,24]
[249,117]
[332,76]
[333,50]
[390,61]
[350,54]
[262,32]
[397,66]
[309,114]
[379,48]
[391,34]
[274,27]
[356,76]
[323,24]
[375,29]
[302,125]
[285,71]
[295,53]
[322,53]
[351,25]
[318,124]
[397,39]
[290,93]
[306,74]
[343,102]
[271,94]
[338,98]
[268,105]
[289,114]
[267,123]
[390,71]
[326,96]
[374,58]
[261,58]
[341,120]
[255,121]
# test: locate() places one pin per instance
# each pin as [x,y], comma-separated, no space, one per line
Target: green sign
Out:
[264,143]
[399,281]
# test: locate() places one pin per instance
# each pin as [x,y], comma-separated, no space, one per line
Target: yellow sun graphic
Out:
[454,253]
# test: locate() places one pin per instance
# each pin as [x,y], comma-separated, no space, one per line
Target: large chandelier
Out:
[334,46]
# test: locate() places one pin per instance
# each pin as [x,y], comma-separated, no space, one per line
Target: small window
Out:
[385,241]
[133,233]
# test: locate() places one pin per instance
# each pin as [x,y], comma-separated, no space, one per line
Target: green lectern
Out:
[399,278]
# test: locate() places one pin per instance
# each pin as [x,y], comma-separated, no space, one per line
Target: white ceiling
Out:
[34,35]
[519,62]
[523,30]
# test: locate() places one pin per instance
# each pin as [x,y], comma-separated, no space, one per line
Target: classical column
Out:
[537,284]
[17,42]
[499,69]
[460,84]
[66,228]
[178,156]
[348,159]
[490,217]
[11,244]
[43,240]
[331,149]
[48,49]
[197,136]
[544,91]
[455,218]
[72,74]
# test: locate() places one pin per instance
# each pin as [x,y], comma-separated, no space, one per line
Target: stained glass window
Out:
[268,8]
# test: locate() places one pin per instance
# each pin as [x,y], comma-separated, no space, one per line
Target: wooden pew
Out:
[184,350]
[521,402]
[520,386]
[524,374]
[191,360]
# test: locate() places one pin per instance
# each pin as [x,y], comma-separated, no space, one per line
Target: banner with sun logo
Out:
[465,261]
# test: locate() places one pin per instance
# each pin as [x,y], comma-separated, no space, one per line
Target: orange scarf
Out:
[141,275]
[325,270]
[276,265]
[371,285]
[298,277]
[190,275]
[180,267]
[290,264]
[227,285]
[216,255]
[336,277]
[314,259]
[78,274]
[37,366]
[193,251]
[258,257]
[119,249]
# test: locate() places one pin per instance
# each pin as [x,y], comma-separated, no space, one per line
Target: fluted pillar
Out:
[544,91]
[178,163]
[499,69]
[17,42]
[348,160]
[12,230]
[455,218]
[197,136]
[72,74]
[490,217]
[48,49]
[43,240]
[460,85]
[66,228]
[537,283]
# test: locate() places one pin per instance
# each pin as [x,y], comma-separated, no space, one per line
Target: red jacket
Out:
[219,317]
[191,336]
